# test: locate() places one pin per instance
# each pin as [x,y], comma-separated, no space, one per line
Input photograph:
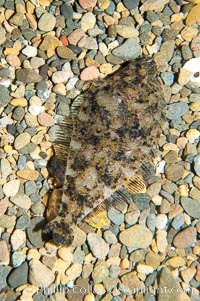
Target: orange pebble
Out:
[64,40]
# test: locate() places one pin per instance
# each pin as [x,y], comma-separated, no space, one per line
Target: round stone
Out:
[137,236]
[47,22]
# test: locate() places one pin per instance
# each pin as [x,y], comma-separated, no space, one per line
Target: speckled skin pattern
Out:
[114,132]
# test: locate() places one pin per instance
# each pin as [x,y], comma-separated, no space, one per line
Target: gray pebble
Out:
[178,221]
[186,52]
[18,276]
[114,271]
[110,237]
[30,187]
[194,97]
[38,208]
[34,231]
[3,274]
[151,222]
[197,165]
[18,113]
[168,78]
[129,50]
[116,218]
[176,110]
[23,222]
[130,4]
[66,11]
[18,258]
[78,256]
[167,195]
[4,96]
[191,206]
[142,201]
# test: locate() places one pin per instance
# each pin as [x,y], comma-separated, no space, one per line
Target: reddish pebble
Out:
[185,238]
[89,73]
[45,119]
[13,60]
[87,3]
[64,40]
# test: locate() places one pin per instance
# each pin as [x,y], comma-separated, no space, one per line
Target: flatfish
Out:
[106,149]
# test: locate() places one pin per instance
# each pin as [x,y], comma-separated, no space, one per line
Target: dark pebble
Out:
[34,231]
[23,222]
[18,113]
[131,4]
[3,274]
[27,76]
[66,11]
[18,276]
[142,201]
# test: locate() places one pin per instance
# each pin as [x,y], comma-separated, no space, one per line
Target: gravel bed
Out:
[49,50]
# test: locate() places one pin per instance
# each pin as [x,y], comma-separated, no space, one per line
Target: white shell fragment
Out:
[191,69]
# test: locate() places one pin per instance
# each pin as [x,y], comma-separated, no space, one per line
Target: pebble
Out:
[89,73]
[28,174]
[19,102]
[185,238]
[73,271]
[22,140]
[11,188]
[192,135]
[29,51]
[22,201]
[88,21]
[161,221]
[131,282]
[161,240]
[4,96]
[18,239]
[59,77]
[144,269]
[6,169]
[47,22]
[39,274]
[34,231]
[4,254]
[126,31]
[28,76]
[188,274]
[7,221]
[13,60]
[177,110]
[98,246]
[129,50]
[116,218]
[66,254]
[18,276]
[100,271]
[110,237]
[193,15]
[174,172]
[18,258]
[87,4]
[167,284]
[197,165]
[191,206]
[65,53]
[36,109]
[137,236]
[45,119]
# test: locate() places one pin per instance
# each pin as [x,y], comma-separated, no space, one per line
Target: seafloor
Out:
[149,248]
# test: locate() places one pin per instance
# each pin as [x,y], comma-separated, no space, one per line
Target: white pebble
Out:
[160,167]
[71,83]
[35,110]
[30,51]
[5,82]
[161,221]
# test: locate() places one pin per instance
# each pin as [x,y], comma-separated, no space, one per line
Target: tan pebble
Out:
[103,4]
[175,262]
[196,250]
[197,276]
[6,169]
[127,31]
[99,289]
[37,139]
[35,100]
[22,140]
[175,209]
[183,190]
[75,36]
[18,238]
[184,76]
[66,254]
[194,15]
[188,33]
[33,253]
[161,241]
[31,120]
[185,238]
[157,200]
[11,188]
[3,206]
[195,194]
[181,142]
[45,119]
[188,274]
[8,148]
[106,68]
[74,271]
[28,174]
[89,297]
[4,254]
[196,182]
[195,44]
[125,264]
[89,73]
[39,274]
[88,21]
[19,102]
[192,135]
[60,89]
[195,106]
[177,17]
[121,7]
